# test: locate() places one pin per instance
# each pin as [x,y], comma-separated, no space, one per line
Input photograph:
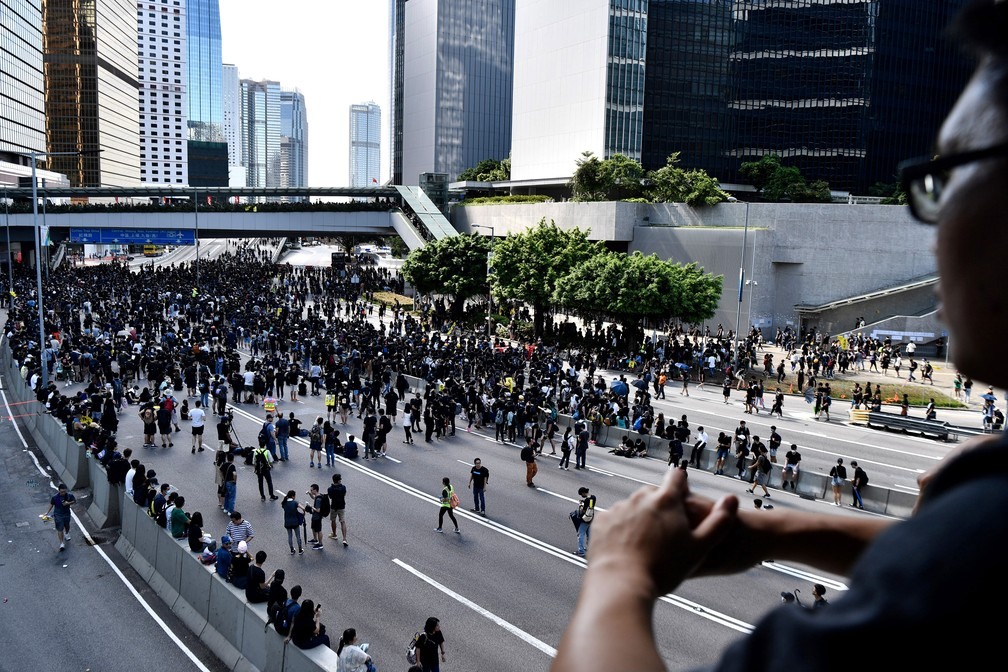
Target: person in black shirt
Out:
[337,507]
[258,587]
[479,477]
[429,645]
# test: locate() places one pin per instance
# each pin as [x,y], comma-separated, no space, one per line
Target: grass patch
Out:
[390,298]
[892,393]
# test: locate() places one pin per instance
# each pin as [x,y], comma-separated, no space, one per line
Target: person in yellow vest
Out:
[269,404]
[330,405]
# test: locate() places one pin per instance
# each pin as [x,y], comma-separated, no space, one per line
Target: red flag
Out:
[374,180]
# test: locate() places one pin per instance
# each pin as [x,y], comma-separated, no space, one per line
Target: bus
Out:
[152,250]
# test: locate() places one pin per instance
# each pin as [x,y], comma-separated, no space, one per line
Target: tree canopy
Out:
[627,288]
[526,266]
[623,178]
[779,183]
[454,266]
[487,170]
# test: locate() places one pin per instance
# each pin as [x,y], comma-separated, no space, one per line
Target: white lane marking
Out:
[513,629]
[802,574]
[157,619]
[709,614]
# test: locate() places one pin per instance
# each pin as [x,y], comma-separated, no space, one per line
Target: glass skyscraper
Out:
[207,146]
[842,90]
[91,91]
[260,132]
[456,85]
[293,140]
[22,81]
[397,52]
[365,145]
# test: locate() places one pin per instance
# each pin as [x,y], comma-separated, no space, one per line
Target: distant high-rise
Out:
[91,90]
[231,113]
[455,84]
[397,52]
[365,145]
[22,96]
[207,147]
[161,55]
[293,140]
[260,132]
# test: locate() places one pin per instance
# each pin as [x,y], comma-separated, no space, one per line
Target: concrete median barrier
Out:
[106,498]
[167,574]
[225,623]
[193,605]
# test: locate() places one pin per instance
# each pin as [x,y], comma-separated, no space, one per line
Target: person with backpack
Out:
[262,462]
[429,647]
[586,514]
[449,500]
[566,448]
[293,516]
[319,509]
[528,456]
[267,436]
[315,443]
[859,481]
[287,611]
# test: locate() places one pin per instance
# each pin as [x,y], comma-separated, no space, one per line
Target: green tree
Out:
[526,266]
[777,182]
[624,177]
[488,170]
[454,267]
[590,181]
[629,288]
[673,184]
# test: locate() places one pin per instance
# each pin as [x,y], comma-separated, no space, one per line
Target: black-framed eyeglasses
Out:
[924,179]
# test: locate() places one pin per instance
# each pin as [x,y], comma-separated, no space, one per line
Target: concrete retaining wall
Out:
[810,485]
[212,608]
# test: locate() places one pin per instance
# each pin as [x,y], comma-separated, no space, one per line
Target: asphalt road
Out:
[81,609]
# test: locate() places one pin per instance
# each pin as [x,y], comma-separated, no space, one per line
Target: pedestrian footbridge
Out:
[233,212]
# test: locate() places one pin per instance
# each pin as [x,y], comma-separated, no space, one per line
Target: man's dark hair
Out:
[260,557]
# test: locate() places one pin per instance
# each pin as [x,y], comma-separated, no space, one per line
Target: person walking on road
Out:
[293,515]
[581,448]
[198,418]
[448,504]
[59,507]
[319,510]
[431,646]
[337,507]
[479,479]
[528,456]
[566,448]
[230,472]
[586,514]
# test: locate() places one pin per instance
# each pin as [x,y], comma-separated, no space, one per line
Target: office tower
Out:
[161,56]
[22,97]
[842,89]
[456,84]
[231,113]
[293,140]
[260,132]
[207,147]
[91,90]
[365,145]
[579,83]
[397,26]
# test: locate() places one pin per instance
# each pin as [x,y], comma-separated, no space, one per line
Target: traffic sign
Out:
[133,236]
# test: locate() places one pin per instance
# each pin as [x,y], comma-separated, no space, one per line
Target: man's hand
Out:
[659,533]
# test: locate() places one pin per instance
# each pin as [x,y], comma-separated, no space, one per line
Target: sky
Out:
[336,52]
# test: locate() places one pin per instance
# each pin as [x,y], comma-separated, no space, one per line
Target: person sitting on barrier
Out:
[178,523]
[277,597]
[258,588]
[240,564]
[352,656]
[224,559]
[307,630]
[198,540]
[285,615]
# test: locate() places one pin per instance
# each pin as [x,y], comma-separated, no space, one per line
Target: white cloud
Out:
[335,52]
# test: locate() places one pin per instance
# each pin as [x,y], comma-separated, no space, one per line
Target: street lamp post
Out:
[741,285]
[10,260]
[489,288]
[43,341]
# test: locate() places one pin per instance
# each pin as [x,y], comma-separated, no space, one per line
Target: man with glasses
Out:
[930,573]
